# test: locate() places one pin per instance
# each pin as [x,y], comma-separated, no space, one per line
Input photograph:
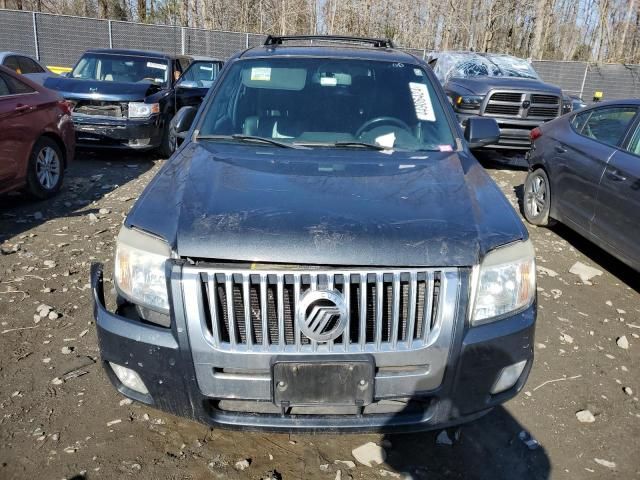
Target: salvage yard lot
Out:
[60,415]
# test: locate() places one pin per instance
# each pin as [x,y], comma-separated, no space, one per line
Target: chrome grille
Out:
[549,99]
[522,105]
[543,112]
[497,109]
[507,97]
[255,310]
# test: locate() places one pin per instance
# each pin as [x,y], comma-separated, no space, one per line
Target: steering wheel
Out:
[389,120]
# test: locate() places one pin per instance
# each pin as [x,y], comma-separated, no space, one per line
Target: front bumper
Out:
[104,132]
[163,359]
[514,133]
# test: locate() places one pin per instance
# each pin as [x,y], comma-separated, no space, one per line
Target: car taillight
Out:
[65,106]
[535,133]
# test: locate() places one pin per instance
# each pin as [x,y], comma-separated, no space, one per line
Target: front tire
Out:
[169,142]
[537,198]
[46,169]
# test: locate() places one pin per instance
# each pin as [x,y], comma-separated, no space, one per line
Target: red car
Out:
[37,138]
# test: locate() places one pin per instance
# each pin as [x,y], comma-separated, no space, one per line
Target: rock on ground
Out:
[585,272]
[369,454]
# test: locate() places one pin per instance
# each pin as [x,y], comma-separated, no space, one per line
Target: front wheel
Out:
[537,198]
[46,169]
[169,141]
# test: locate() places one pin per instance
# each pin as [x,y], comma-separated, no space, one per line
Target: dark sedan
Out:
[585,173]
[36,136]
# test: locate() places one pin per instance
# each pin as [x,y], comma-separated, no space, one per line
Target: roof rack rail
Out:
[376,42]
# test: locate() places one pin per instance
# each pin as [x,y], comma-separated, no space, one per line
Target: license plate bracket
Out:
[323,380]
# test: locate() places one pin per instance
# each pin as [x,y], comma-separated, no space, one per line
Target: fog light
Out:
[139,142]
[508,377]
[129,378]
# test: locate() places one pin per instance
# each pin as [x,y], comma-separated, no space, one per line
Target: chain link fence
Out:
[60,40]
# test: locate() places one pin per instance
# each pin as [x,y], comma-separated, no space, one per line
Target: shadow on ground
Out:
[488,448]
[91,176]
[501,159]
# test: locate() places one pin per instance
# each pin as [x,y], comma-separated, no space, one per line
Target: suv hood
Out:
[482,85]
[326,207]
[76,89]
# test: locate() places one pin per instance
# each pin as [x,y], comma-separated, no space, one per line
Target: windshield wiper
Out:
[354,143]
[250,138]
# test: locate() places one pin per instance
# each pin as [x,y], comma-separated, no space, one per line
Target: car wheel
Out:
[46,169]
[537,198]
[169,142]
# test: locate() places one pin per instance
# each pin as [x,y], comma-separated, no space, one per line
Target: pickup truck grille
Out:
[522,105]
[256,310]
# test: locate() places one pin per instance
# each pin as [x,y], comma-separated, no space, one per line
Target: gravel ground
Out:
[578,417]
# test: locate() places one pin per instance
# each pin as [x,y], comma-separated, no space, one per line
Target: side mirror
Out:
[181,122]
[480,132]
[186,84]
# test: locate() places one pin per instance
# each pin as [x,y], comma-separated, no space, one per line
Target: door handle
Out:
[561,149]
[615,175]
[23,108]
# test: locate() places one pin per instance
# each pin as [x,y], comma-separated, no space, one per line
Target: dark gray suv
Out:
[322,252]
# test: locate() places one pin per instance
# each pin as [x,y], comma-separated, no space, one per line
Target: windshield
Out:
[513,66]
[319,102]
[114,68]
[464,65]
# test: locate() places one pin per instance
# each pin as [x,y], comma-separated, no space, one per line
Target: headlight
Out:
[143,110]
[505,282]
[469,102]
[139,269]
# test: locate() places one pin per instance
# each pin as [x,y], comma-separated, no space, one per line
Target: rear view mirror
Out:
[181,122]
[480,132]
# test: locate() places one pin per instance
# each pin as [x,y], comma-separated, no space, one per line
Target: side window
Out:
[4,86]
[607,125]
[17,87]
[634,144]
[579,120]
[27,65]
[200,74]
[12,63]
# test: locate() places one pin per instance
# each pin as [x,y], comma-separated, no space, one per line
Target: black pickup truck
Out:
[502,87]
[127,98]
[323,252]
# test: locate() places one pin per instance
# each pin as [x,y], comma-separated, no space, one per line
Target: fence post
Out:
[584,78]
[35,35]
[182,40]
[110,35]
[246,43]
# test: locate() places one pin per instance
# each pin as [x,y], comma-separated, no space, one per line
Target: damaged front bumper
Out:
[163,360]
[104,132]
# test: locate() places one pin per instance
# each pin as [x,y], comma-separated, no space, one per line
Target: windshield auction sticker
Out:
[159,66]
[261,74]
[422,102]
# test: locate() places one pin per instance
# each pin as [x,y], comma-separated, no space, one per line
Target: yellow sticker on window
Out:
[261,74]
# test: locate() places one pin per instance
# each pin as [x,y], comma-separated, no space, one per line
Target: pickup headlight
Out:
[505,282]
[139,270]
[143,110]
[468,102]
